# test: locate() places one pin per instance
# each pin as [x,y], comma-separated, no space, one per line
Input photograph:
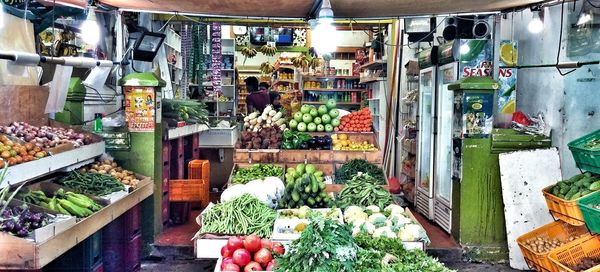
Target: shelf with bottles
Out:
[348,98]
[350,84]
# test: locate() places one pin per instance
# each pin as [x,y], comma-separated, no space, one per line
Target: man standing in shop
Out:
[257,99]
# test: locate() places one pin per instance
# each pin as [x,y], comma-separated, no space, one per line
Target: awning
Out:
[302,8]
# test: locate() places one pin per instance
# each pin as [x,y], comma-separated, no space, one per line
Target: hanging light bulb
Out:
[325,36]
[90,31]
[584,19]
[536,25]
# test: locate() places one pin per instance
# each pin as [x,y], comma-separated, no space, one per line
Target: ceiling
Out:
[302,8]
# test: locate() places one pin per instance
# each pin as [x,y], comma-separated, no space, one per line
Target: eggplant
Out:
[304,146]
[320,142]
[312,143]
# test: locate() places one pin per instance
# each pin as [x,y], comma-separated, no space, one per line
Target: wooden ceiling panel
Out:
[256,8]
[301,8]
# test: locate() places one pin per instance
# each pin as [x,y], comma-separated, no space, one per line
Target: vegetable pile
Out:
[109,167]
[269,118]
[12,153]
[257,171]
[91,183]
[305,186]
[62,202]
[541,245]
[576,187]
[45,137]
[325,245]
[267,138]
[269,190]
[294,139]
[388,255]
[19,221]
[342,142]
[250,253]
[242,215]
[593,143]
[310,118]
[353,167]
[358,121]
[363,190]
[185,110]
[390,222]
[585,264]
[294,221]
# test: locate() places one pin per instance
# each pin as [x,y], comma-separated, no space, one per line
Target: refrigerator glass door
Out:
[425,141]
[443,156]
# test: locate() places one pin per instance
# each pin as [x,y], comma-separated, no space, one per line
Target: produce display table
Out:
[25,254]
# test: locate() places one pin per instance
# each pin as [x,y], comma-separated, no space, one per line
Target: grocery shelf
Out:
[27,255]
[38,168]
[331,77]
[284,81]
[335,90]
[323,103]
[374,64]
[364,80]
[179,132]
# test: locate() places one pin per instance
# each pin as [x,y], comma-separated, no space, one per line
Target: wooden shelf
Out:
[284,81]
[27,255]
[38,168]
[331,77]
[375,64]
[286,66]
[365,80]
[335,90]
[337,103]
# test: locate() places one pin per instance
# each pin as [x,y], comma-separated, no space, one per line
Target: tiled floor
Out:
[180,235]
[439,238]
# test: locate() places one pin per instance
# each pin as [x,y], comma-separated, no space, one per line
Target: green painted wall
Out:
[480,224]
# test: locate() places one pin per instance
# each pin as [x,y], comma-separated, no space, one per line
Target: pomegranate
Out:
[252,243]
[231,267]
[263,256]
[241,257]
[252,266]
[234,243]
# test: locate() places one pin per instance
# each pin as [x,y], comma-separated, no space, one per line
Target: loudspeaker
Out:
[458,28]
[481,28]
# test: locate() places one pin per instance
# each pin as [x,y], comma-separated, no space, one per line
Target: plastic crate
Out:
[84,257]
[219,137]
[586,159]
[123,255]
[200,169]
[591,216]
[573,253]
[555,230]
[565,210]
[188,190]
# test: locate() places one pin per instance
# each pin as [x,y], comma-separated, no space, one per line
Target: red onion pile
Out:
[45,136]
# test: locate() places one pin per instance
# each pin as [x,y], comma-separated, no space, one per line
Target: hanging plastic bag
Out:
[59,88]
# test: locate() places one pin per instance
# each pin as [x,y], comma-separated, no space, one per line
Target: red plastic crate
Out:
[134,254]
[165,208]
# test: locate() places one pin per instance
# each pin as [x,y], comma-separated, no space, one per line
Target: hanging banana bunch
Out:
[315,62]
[300,61]
[268,50]
[248,52]
[267,68]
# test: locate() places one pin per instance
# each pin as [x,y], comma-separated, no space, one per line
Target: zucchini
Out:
[595,186]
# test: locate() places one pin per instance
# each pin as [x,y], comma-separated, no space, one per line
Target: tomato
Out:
[234,243]
[263,256]
[252,243]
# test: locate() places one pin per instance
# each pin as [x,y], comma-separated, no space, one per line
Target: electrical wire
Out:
[560,36]
[100,95]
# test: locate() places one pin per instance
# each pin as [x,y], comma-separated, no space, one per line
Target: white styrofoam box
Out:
[179,132]
[284,227]
[115,196]
[219,137]
[44,233]
[208,248]
[63,222]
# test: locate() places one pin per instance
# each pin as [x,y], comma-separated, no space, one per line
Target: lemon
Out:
[343,137]
[509,107]
[508,54]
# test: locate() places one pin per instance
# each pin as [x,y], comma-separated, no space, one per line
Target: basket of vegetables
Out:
[590,209]
[537,244]
[576,257]
[562,197]
[586,152]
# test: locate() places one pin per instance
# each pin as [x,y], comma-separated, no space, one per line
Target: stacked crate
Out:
[122,243]
[84,257]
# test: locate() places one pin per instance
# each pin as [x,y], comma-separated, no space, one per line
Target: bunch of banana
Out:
[300,62]
[267,68]
[248,52]
[68,203]
[314,63]
[268,50]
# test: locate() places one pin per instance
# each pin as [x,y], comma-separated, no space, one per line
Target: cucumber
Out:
[307,189]
[575,196]
[564,190]
[310,201]
[295,196]
[595,186]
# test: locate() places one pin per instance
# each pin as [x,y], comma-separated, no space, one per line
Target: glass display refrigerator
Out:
[425,141]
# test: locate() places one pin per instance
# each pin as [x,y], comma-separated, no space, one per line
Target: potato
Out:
[114,164]
[102,171]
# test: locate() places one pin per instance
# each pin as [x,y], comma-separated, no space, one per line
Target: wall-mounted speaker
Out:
[460,27]
[481,28]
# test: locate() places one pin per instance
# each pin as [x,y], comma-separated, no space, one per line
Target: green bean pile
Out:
[363,190]
[91,183]
[242,215]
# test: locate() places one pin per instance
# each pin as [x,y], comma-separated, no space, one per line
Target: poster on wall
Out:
[140,108]
[475,58]
[507,94]
[477,114]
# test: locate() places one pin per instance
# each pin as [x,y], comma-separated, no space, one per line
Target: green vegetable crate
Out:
[586,152]
[591,215]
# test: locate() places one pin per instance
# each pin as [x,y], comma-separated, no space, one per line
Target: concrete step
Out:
[446,255]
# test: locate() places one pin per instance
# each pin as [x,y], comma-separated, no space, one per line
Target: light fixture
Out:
[536,25]
[90,31]
[325,37]
[147,45]
[464,49]
[584,18]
